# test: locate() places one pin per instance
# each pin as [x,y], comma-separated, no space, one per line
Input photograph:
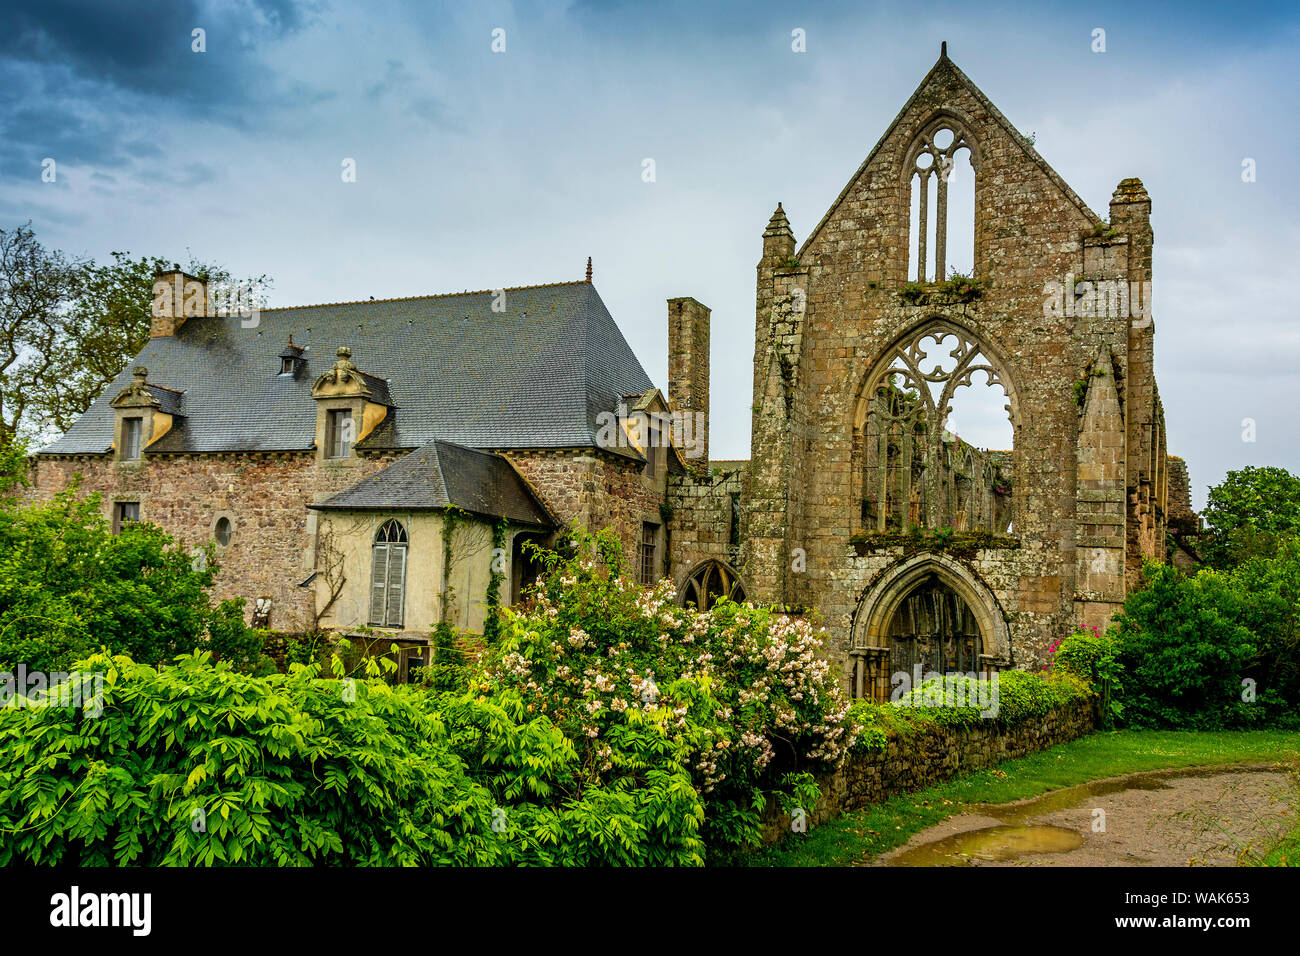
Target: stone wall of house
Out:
[265,496]
[828,314]
[597,489]
[932,755]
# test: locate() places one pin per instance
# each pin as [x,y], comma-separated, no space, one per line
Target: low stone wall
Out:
[932,755]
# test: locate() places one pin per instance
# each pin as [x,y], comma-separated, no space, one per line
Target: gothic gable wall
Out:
[829,312]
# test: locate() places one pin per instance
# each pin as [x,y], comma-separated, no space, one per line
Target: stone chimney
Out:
[177,296]
[688,375]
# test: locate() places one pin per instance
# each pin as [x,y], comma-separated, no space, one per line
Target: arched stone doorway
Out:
[708,582]
[930,612]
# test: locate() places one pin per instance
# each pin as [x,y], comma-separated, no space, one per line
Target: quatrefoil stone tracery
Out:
[907,364]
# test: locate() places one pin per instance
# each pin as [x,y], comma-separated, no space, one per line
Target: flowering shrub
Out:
[737,694]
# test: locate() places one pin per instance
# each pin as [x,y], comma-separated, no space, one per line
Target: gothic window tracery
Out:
[941,176]
[708,583]
[916,472]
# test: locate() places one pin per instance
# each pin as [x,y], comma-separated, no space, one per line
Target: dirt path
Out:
[1202,817]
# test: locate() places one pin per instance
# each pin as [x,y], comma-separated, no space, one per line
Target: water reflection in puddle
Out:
[1014,836]
[991,844]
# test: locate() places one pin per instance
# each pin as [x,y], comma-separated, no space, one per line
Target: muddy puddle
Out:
[1204,816]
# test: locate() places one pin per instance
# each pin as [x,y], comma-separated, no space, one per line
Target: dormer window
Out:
[349,405]
[144,413]
[338,433]
[653,440]
[291,359]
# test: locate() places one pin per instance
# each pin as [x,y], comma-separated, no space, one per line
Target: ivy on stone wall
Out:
[492,623]
[451,517]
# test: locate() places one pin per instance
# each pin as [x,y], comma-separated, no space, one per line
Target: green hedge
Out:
[1020,697]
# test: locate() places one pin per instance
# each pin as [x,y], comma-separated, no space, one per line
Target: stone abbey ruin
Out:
[858,501]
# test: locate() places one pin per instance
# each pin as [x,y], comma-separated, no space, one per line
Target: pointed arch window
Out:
[388,575]
[941,175]
[709,583]
[915,469]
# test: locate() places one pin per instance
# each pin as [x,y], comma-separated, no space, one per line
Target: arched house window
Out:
[388,575]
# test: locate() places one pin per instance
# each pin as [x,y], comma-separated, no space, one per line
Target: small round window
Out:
[223,530]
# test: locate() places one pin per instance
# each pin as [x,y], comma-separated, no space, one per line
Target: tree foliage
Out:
[1217,649]
[69,586]
[1249,513]
[36,286]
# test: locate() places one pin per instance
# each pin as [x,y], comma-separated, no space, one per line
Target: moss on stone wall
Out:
[961,544]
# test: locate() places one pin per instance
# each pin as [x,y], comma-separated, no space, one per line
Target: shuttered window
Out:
[338,433]
[131,428]
[388,575]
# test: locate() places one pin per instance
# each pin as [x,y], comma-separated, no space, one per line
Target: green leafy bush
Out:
[1094,657]
[69,586]
[448,671]
[196,765]
[1185,649]
[956,700]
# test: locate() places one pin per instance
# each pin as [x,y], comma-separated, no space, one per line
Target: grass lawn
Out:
[857,837]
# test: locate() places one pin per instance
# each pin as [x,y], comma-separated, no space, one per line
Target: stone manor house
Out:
[322,448]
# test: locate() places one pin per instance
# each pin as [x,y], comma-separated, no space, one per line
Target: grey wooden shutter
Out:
[396,583]
[131,428]
[378,583]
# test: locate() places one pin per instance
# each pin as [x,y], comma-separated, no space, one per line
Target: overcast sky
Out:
[477,170]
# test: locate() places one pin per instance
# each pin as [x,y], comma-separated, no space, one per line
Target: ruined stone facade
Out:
[857,503]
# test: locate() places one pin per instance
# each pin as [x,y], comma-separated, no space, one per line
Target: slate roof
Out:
[532,376]
[445,474]
[169,400]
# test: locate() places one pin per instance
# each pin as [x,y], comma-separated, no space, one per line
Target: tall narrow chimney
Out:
[688,375]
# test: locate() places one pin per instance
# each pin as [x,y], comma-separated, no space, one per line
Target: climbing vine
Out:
[451,517]
[492,623]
